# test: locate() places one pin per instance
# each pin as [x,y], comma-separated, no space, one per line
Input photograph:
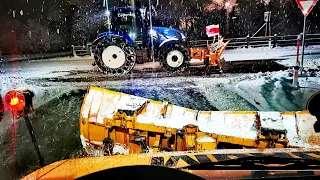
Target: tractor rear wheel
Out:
[114,57]
[175,58]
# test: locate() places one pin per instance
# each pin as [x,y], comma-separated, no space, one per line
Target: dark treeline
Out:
[41,26]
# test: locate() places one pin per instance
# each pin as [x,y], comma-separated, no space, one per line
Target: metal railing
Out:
[263,41]
[243,42]
[81,50]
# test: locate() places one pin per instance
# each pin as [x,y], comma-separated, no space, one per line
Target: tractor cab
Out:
[127,22]
[134,25]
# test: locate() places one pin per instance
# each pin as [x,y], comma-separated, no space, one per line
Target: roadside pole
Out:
[297,66]
[306,7]
[303,43]
[151,38]
[269,29]
[34,139]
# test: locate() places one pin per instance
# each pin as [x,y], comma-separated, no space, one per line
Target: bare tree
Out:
[37,38]
[86,20]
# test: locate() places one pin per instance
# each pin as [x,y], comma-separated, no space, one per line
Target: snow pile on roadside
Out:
[274,91]
[313,63]
[265,53]
[219,93]
[259,49]
[280,49]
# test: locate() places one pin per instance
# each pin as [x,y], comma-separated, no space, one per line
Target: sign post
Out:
[267,17]
[297,66]
[306,7]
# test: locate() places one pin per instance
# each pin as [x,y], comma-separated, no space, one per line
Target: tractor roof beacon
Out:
[127,39]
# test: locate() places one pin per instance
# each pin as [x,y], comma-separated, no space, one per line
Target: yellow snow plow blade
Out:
[116,123]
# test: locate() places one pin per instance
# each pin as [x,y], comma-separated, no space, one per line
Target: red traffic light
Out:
[15,100]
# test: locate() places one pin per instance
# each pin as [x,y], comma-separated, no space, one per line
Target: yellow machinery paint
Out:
[79,167]
[132,124]
[194,138]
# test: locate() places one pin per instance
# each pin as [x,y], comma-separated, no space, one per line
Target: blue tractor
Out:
[128,39]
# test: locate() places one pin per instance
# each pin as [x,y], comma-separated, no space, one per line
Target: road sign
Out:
[267,16]
[306,6]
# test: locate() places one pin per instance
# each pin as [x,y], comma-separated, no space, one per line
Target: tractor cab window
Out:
[126,21]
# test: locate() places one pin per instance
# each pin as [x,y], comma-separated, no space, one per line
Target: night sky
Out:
[56,24]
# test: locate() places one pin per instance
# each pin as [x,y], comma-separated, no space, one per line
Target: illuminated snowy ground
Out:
[59,86]
[265,53]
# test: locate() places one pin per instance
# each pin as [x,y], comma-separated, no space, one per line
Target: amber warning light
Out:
[15,100]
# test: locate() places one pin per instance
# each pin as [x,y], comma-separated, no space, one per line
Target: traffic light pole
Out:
[34,140]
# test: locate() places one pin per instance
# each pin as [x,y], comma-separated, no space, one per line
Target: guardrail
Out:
[263,41]
[243,42]
[81,50]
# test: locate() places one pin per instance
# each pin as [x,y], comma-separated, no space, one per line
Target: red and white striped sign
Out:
[212,30]
[306,6]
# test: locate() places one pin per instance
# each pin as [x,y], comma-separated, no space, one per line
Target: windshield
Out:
[126,20]
[155,80]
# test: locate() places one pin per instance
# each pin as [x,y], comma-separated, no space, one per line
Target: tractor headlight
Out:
[132,35]
[107,13]
[153,32]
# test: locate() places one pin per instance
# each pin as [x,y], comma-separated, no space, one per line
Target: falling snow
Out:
[262,91]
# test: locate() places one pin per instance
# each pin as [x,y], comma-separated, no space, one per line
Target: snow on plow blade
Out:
[117,123]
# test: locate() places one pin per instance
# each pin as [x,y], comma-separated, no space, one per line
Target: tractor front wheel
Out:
[175,58]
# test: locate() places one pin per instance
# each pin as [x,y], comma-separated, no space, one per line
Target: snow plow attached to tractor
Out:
[129,39]
[209,57]
[114,123]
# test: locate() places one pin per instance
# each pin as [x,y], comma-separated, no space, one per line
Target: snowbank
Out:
[310,62]
[265,53]
[274,91]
